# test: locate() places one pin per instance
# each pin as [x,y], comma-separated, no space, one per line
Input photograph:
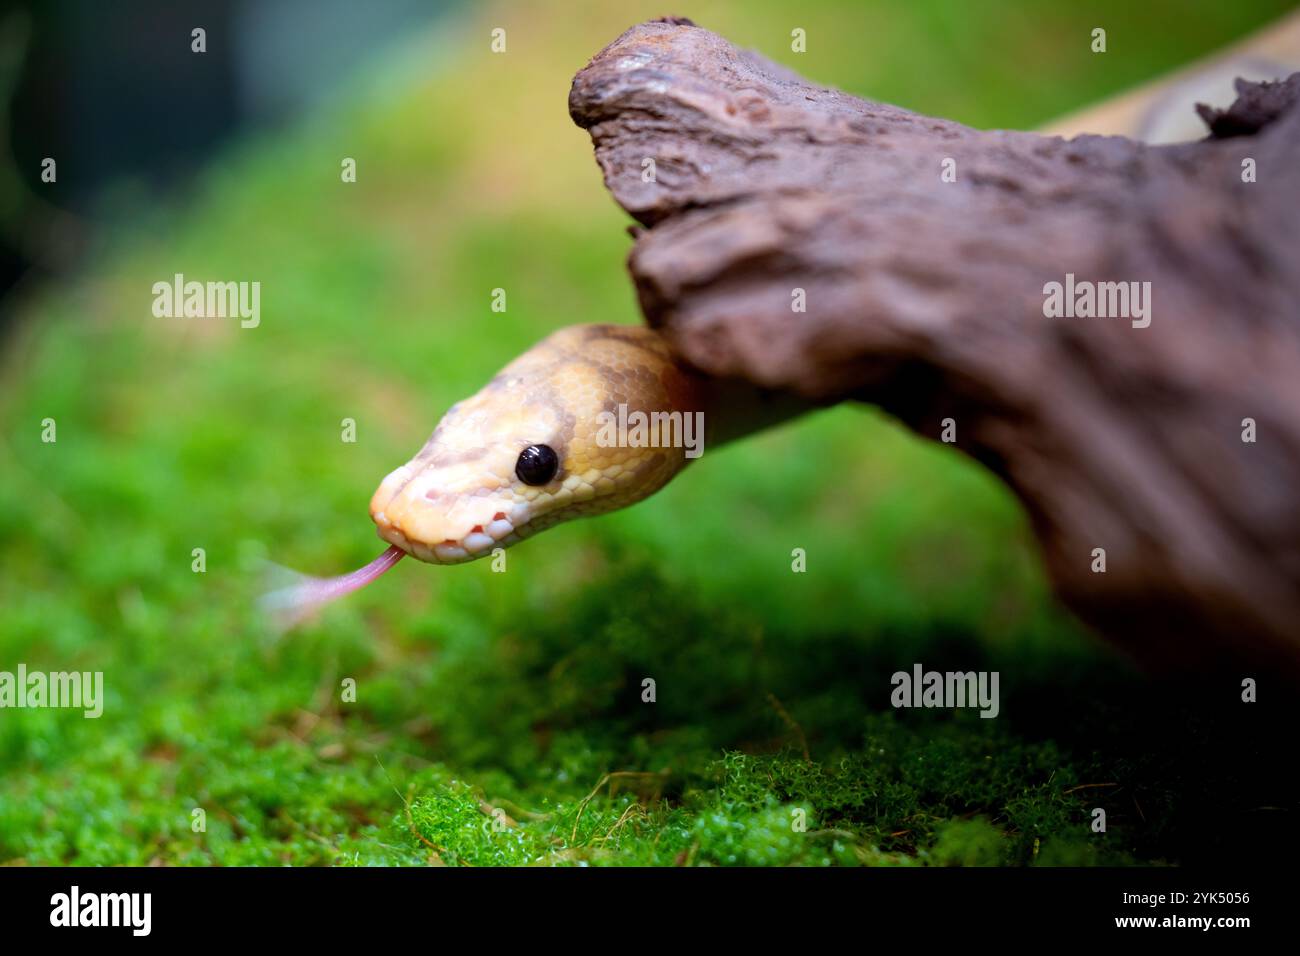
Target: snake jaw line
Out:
[480,540]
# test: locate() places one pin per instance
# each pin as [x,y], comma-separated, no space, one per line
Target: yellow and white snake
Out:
[526,452]
[533,449]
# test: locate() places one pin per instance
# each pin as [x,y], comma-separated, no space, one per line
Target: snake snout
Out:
[439,524]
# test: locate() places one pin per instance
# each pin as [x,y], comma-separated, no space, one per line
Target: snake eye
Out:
[537,464]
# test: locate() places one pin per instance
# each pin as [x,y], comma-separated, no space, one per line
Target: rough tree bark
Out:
[927,298]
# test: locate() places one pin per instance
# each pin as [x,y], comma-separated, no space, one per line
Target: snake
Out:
[591,419]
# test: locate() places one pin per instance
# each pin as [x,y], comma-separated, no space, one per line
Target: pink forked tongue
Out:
[292,604]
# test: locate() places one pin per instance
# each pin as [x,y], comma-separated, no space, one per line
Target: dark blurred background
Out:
[114,93]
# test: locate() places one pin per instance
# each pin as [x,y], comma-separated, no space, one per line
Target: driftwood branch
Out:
[927,298]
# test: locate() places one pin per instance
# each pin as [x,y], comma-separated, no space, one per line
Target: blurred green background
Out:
[522,691]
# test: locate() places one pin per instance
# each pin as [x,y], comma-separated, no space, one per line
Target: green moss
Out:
[968,843]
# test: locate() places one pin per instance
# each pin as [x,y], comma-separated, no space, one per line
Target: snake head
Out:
[534,447]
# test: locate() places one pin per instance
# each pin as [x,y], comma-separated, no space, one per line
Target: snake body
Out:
[465,492]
